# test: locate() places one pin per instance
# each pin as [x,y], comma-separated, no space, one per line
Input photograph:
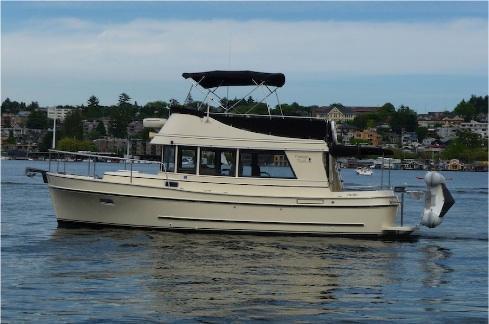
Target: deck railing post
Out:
[389,174]
[130,162]
[402,208]
[94,164]
[382,173]
[88,174]
[401,190]
[57,162]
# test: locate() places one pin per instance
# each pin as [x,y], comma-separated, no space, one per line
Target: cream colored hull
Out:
[99,202]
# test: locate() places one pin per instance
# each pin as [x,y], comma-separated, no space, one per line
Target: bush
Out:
[74,145]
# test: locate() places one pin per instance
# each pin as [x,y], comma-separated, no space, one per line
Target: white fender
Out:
[438,200]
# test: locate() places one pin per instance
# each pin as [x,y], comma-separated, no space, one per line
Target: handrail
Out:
[131,161]
[104,156]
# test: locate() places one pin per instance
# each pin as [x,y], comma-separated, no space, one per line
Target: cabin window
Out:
[168,158]
[218,162]
[187,157]
[264,164]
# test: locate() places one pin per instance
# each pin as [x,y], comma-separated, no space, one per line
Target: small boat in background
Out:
[364,171]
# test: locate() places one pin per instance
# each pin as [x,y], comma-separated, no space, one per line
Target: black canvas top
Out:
[214,79]
[307,128]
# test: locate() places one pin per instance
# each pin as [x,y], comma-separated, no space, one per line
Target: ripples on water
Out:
[83,274]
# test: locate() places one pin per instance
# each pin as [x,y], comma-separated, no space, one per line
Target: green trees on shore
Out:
[121,114]
[471,108]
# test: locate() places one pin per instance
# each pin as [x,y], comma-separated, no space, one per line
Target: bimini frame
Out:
[208,83]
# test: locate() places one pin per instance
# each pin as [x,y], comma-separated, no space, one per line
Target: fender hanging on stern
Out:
[438,200]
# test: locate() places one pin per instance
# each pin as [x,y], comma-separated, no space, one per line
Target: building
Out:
[345,133]
[369,135]
[455,165]
[447,133]
[59,112]
[340,113]
[452,121]
[335,113]
[428,141]
[433,119]
[475,127]
[135,127]
[110,144]
[89,126]
[409,138]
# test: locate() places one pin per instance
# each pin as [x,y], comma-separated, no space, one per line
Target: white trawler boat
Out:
[239,173]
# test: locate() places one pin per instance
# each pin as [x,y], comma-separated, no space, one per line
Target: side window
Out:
[220,162]
[187,157]
[264,164]
[168,158]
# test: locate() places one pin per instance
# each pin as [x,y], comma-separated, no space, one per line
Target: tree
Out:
[421,132]
[124,99]
[467,147]
[72,125]
[74,145]
[174,103]
[6,104]
[100,129]
[93,101]
[93,109]
[466,110]
[480,104]
[120,118]
[154,109]
[33,106]
[37,119]
[404,118]
[46,142]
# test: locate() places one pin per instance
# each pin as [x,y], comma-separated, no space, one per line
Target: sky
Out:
[426,55]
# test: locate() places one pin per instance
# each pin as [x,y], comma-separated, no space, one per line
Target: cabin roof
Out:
[187,129]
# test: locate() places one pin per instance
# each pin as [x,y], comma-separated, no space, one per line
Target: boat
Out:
[364,171]
[238,173]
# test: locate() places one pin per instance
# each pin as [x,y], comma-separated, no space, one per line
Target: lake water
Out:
[52,274]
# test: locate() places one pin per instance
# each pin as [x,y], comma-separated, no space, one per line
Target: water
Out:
[52,274]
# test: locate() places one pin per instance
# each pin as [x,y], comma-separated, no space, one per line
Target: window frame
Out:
[163,162]
[271,152]
[232,171]
[179,156]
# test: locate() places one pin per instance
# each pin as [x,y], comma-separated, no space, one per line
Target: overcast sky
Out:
[425,55]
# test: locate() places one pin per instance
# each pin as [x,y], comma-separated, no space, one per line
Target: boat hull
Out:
[74,201]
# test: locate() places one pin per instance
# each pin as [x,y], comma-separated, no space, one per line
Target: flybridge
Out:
[277,125]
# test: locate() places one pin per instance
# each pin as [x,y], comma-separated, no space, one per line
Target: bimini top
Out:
[214,79]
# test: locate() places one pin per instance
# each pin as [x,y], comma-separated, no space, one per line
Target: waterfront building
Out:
[455,165]
[475,127]
[369,135]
